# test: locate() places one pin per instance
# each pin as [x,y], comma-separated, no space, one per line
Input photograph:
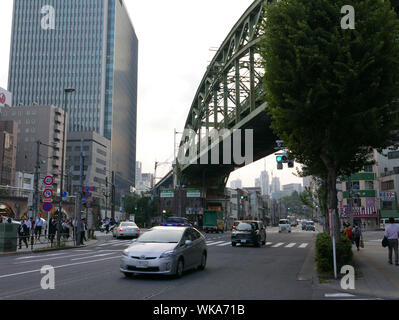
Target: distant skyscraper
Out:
[236,184]
[275,184]
[257,183]
[264,183]
[88,45]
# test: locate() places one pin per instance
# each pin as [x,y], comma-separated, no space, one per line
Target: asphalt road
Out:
[274,271]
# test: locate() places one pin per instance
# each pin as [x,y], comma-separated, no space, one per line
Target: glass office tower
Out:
[89,45]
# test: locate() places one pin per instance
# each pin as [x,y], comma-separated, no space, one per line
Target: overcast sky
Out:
[175,38]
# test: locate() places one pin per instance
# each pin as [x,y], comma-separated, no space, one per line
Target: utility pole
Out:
[36,182]
[106,196]
[113,196]
[80,194]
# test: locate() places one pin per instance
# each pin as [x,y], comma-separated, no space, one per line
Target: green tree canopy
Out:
[332,93]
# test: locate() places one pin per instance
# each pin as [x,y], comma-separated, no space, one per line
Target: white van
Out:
[284,225]
[384,222]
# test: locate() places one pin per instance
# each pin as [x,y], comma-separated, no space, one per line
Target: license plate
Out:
[243,241]
[142,264]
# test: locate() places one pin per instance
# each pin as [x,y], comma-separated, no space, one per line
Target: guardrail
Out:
[34,242]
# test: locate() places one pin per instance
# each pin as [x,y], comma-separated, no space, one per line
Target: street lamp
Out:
[66,92]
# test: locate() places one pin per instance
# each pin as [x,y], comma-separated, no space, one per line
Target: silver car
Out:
[165,250]
[126,229]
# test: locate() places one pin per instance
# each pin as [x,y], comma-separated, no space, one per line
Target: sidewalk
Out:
[44,246]
[376,278]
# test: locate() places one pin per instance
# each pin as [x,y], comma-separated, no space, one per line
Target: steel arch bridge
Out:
[230,96]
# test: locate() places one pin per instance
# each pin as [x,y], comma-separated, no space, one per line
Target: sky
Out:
[175,41]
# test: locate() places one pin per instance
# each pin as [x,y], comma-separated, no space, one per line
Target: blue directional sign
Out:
[84,200]
[65,194]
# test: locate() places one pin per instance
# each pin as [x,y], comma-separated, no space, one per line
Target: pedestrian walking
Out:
[348,233]
[83,231]
[357,234]
[38,228]
[23,233]
[392,234]
[51,230]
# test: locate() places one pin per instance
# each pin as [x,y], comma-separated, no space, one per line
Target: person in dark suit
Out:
[23,233]
[52,228]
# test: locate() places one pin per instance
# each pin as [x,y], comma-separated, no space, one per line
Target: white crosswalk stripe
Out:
[269,243]
[303,245]
[278,245]
[214,243]
[224,244]
[290,245]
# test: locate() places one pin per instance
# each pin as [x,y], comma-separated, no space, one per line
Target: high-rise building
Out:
[38,123]
[8,152]
[257,183]
[236,184]
[97,152]
[264,183]
[275,186]
[90,46]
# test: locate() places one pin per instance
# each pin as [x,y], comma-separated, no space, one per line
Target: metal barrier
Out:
[11,241]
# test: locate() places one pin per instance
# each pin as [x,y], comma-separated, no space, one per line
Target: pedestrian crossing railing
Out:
[36,242]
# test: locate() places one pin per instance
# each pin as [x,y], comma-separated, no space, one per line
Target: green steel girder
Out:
[233,80]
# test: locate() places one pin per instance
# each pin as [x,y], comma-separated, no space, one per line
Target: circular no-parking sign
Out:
[48,193]
[48,181]
[47,207]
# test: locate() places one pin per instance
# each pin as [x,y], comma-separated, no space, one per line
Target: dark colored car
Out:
[176,222]
[310,226]
[249,232]
[304,223]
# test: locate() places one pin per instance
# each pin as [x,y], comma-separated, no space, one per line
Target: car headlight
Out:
[167,254]
[125,253]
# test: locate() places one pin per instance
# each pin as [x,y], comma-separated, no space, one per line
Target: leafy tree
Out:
[331,92]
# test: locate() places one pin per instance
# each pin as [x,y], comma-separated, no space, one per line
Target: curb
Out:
[8,254]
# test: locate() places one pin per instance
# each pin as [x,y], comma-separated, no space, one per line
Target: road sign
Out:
[48,181]
[84,200]
[65,194]
[48,193]
[47,207]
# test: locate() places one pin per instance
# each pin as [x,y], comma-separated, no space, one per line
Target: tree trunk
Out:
[332,201]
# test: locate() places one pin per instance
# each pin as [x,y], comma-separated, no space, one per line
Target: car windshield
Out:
[128,224]
[161,236]
[311,223]
[244,227]
[283,221]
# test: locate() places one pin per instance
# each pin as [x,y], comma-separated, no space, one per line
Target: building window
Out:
[387,185]
[369,185]
[393,155]
[352,184]
[368,168]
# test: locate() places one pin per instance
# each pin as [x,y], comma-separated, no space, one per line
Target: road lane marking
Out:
[58,267]
[214,243]
[269,243]
[278,245]
[224,244]
[59,257]
[303,245]
[41,256]
[290,245]
[95,256]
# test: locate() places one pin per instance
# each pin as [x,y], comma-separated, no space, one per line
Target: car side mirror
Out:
[188,242]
